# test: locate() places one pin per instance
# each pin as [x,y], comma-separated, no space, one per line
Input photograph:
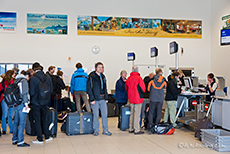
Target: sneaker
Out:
[131,131]
[107,133]
[4,133]
[138,133]
[95,133]
[49,139]
[37,142]
[14,143]
[23,145]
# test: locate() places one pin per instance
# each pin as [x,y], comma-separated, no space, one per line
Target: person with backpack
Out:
[6,111]
[20,116]
[78,87]
[156,96]
[135,87]
[98,96]
[40,92]
[172,92]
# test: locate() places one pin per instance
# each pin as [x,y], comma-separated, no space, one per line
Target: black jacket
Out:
[60,85]
[34,81]
[147,79]
[94,86]
[172,91]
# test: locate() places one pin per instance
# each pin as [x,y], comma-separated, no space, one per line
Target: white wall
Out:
[220,54]
[49,49]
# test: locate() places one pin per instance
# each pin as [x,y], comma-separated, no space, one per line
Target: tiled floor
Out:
[121,142]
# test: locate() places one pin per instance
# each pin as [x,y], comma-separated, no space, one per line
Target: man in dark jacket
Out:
[98,96]
[156,88]
[39,104]
[173,90]
[120,93]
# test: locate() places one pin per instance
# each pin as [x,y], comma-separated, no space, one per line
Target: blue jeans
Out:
[6,111]
[19,124]
[102,105]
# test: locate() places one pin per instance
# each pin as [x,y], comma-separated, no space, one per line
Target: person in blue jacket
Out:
[78,87]
[120,93]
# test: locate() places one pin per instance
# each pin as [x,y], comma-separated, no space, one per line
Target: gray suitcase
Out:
[79,123]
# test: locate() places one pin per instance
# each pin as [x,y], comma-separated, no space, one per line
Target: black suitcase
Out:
[205,123]
[79,123]
[112,109]
[52,122]
[30,125]
[124,117]
[66,103]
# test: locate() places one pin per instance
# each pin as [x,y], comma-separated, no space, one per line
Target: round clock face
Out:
[95,49]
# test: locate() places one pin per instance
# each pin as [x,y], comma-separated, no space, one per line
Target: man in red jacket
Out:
[136,88]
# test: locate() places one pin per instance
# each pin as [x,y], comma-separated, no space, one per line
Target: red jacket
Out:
[135,87]
[6,83]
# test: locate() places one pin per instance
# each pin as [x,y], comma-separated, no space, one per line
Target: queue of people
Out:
[40,91]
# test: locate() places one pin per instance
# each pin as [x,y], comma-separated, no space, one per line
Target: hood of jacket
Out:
[20,76]
[135,74]
[159,78]
[79,70]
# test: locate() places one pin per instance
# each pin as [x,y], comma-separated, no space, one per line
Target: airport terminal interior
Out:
[173,35]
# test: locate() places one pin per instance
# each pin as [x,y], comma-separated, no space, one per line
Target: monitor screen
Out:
[187,82]
[173,47]
[153,52]
[131,56]
[225,37]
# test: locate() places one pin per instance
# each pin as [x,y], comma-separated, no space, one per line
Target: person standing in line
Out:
[156,88]
[78,87]
[98,96]
[135,87]
[120,93]
[40,92]
[20,116]
[172,92]
[6,111]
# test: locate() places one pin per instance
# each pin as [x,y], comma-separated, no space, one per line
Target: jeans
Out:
[83,94]
[102,105]
[6,111]
[170,110]
[134,121]
[40,114]
[19,124]
[152,107]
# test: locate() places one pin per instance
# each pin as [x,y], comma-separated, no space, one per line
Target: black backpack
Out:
[44,92]
[12,94]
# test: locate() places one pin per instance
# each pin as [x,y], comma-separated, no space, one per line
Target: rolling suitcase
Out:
[30,125]
[79,123]
[113,110]
[124,117]
[52,122]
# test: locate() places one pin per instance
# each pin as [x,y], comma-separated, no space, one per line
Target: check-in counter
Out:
[221,112]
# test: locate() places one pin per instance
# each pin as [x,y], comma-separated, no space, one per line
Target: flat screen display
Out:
[153,52]
[173,47]
[225,37]
[131,56]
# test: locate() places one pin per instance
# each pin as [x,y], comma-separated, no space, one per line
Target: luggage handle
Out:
[210,106]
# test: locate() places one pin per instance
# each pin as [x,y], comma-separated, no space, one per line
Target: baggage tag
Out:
[127,112]
[51,126]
